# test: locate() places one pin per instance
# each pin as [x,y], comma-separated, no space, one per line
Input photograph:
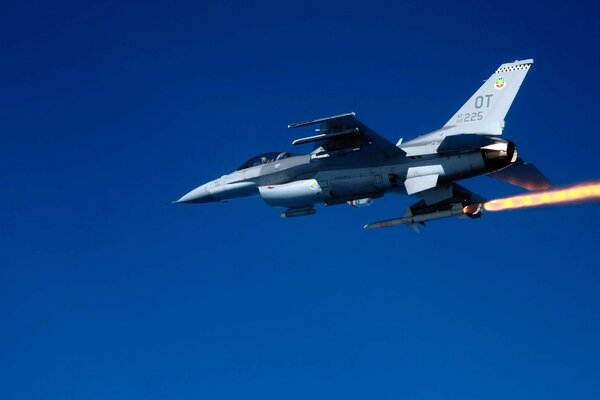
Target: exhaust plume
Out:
[573,194]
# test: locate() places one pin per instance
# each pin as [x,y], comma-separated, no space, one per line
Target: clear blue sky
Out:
[111,109]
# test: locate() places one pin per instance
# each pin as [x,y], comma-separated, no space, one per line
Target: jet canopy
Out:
[264,158]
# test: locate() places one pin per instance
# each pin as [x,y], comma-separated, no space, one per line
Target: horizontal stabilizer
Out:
[523,174]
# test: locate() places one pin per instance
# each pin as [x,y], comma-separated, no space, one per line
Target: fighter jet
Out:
[350,163]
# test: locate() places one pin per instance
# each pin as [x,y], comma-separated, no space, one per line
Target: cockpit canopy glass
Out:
[264,159]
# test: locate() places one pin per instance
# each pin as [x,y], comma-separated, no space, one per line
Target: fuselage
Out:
[300,182]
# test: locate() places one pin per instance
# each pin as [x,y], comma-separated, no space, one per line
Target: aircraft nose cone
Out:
[198,195]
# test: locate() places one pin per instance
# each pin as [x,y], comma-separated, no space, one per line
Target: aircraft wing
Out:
[344,132]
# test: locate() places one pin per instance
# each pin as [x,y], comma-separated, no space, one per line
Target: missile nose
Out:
[198,195]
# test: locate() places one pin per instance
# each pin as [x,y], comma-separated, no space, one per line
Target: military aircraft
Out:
[350,163]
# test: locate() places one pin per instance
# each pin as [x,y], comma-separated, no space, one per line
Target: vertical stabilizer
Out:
[485,111]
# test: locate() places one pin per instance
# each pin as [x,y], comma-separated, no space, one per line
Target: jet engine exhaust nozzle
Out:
[499,155]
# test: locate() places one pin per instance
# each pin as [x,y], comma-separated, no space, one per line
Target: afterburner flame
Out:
[578,193]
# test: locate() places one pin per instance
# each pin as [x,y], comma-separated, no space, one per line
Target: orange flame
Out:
[585,192]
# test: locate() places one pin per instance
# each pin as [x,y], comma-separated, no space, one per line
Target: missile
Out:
[457,209]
